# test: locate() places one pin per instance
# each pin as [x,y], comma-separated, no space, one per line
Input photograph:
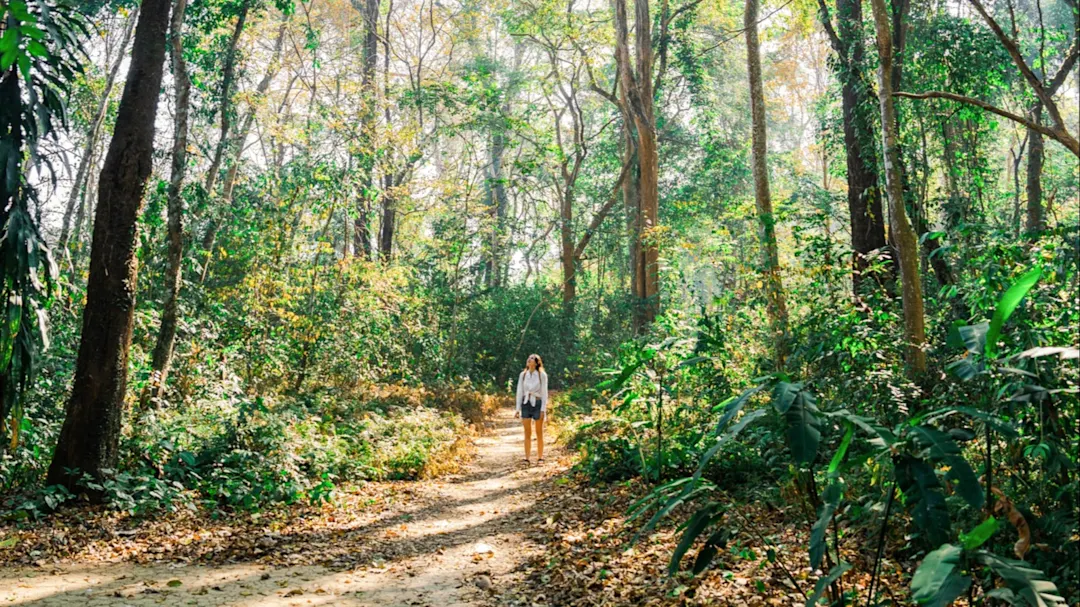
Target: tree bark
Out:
[774,288]
[228,74]
[906,241]
[166,339]
[82,174]
[1036,221]
[637,85]
[389,219]
[223,144]
[369,9]
[89,438]
[864,191]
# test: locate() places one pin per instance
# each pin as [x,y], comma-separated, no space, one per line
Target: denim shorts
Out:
[532,411]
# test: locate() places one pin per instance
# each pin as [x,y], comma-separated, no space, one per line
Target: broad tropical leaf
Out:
[1026,582]
[708,552]
[1007,305]
[944,450]
[823,583]
[979,534]
[923,496]
[938,582]
[833,494]
[698,523]
[804,427]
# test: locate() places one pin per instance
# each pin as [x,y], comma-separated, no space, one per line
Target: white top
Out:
[532,385]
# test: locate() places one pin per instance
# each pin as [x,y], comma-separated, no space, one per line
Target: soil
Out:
[439,543]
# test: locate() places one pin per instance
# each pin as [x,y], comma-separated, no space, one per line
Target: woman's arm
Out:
[543,391]
[520,393]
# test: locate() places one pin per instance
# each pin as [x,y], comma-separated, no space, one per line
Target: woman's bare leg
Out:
[528,435]
[540,437]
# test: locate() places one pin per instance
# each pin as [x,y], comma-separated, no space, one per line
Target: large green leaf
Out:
[979,534]
[716,542]
[804,427]
[1026,582]
[697,525]
[943,450]
[841,451]
[1007,305]
[881,436]
[831,501]
[784,395]
[937,582]
[823,583]
[995,422]
[923,497]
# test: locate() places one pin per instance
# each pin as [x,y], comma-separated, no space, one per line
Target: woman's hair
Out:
[539,362]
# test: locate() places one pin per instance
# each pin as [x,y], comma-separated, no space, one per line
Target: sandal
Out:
[540,461]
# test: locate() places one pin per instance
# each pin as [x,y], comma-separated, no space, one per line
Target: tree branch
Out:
[601,214]
[1055,134]
[1018,59]
[826,22]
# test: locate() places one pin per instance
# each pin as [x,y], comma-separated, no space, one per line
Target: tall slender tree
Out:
[774,287]
[90,436]
[906,241]
[163,347]
[863,192]
[369,9]
[636,82]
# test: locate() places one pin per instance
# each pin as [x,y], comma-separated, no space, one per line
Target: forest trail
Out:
[449,542]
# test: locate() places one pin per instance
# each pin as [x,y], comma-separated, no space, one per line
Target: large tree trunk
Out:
[1036,221]
[632,207]
[82,174]
[774,288]
[389,219]
[166,339]
[930,246]
[906,241]
[362,227]
[637,83]
[566,242]
[864,192]
[497,201]
[89,438]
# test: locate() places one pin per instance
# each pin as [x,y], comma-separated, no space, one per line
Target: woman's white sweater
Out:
[532,385]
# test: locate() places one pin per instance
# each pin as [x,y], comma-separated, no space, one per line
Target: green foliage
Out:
[38,51]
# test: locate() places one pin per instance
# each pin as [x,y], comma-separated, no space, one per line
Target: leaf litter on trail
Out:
[587,560]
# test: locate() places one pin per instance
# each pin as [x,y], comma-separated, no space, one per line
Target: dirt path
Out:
[456,537]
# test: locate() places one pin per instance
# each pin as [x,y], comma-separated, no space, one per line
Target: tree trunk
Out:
[632,206]
[227,76]
[566,242]
[166,339]
[223,144]
[82,174]
[389,218]
[864,192]
[1036,221]
[497,200]
[89,439]
[637,84]
[369,9]
[906,241]
[774,288]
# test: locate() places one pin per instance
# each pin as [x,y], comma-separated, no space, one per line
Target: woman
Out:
[532,401]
